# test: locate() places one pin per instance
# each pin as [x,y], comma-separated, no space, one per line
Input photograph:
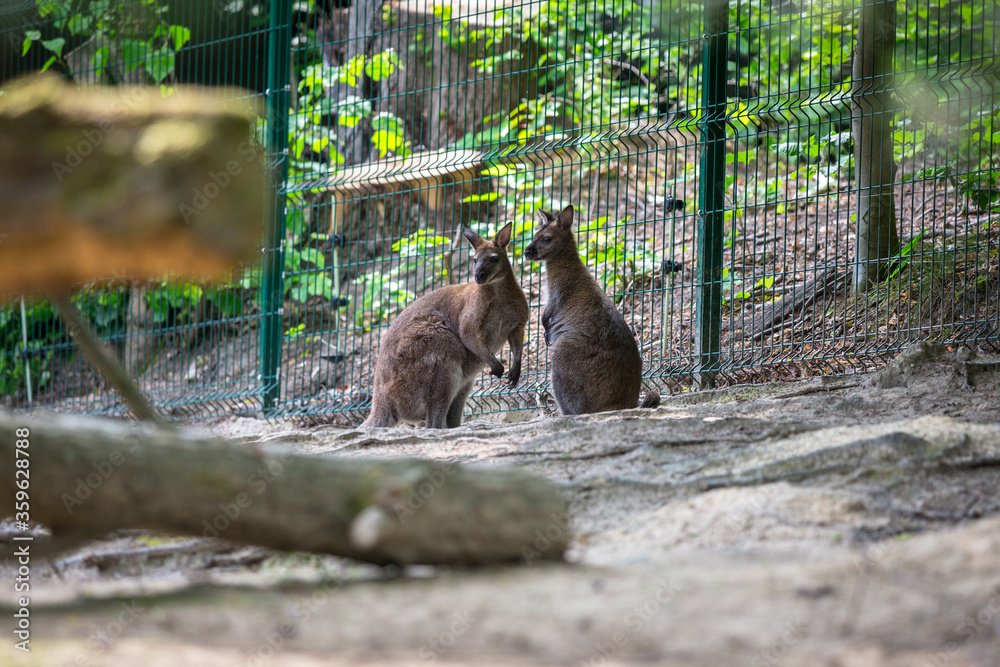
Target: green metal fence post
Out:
[272,284]
[711,193]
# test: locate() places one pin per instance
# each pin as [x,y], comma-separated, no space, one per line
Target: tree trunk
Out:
[90,476]
[362,21]
[142,341]
[871,107]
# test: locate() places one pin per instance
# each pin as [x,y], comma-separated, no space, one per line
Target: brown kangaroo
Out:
[595,361]
[433,352]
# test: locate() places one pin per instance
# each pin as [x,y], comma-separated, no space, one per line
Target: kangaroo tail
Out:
[651,399]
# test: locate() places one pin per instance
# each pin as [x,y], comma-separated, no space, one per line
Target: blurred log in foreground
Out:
[91,476]
[112,182]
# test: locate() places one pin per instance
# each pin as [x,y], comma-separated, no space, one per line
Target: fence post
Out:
[279,50]
[711,193]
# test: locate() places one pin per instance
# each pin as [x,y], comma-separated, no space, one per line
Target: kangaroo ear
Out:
[503,236]
[565,217]
[475,239]
[544,217]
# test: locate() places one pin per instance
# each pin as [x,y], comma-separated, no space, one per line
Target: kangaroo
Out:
[433,352]
[595,361]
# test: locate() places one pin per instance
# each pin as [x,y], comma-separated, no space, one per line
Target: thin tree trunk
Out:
[364,16]
[877,238]
[142,341]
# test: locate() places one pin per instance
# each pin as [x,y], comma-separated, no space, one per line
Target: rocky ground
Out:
[846,521]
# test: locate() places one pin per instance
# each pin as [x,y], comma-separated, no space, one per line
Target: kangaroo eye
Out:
[494,259]
[546,239]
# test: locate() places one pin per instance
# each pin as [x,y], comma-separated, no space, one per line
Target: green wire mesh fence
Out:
[768,189]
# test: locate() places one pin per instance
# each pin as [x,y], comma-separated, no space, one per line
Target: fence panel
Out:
[707,148]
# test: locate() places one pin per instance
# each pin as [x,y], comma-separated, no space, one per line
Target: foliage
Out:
[330,102]
[524,193]
[736,291]
[587,85]
[902,258]
[126,36]
[44,329]
[385,294]
[616,262]
[175,303]
[104,307]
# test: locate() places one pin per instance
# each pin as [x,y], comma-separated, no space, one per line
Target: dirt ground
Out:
[845,521]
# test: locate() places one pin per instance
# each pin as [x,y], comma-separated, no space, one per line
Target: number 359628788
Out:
[21,473]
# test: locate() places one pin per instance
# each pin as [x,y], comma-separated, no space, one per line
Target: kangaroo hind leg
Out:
[457,406]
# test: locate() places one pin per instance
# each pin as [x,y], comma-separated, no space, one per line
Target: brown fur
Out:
[595,360]
[434,351]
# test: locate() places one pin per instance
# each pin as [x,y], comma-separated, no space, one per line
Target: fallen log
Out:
[770,316]
[89,477]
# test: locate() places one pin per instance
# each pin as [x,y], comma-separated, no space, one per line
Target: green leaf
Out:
[382,65]
[320,286]
[55,45]
[48,63]
[319,144]
[314,256]
[160,64]
[386,141]
[99,61]
[298,147]
[387,122]
[179,35]
[492,196]
[502,169]
[351,72]
[299,292]
[352,109]
[134,52]
[29,37]
[79,23]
